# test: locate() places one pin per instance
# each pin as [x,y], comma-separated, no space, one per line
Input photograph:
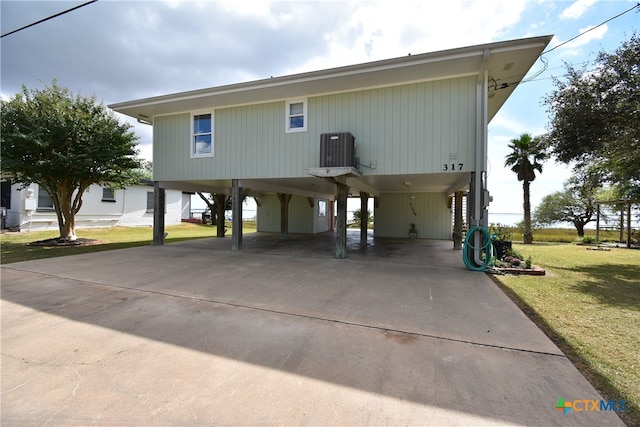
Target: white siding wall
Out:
[395,212]
[186,206]
[129,209]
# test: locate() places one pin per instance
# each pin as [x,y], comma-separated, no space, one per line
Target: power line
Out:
[48,18]
[499,86]
[637,6]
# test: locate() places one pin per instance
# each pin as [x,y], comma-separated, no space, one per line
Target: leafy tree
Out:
[145,171]
[212,204]
[526,157]
[357,216]
[595,117]
[65,143]
[576,203]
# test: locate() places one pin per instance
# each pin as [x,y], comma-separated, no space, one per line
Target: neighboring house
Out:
[411,132]
[32,208]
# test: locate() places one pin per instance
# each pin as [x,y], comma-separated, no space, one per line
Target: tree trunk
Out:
[211,206]
[68,226]
[528,235]
[580,227]
[221,202]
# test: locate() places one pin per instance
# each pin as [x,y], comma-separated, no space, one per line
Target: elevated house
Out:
[411,132]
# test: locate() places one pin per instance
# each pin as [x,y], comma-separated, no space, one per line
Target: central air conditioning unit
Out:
[337,149]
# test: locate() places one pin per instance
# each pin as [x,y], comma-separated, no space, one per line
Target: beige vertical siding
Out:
[394,216]
[268,214]
[413,128]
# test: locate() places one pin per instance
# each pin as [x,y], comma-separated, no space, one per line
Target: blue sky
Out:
[124,50]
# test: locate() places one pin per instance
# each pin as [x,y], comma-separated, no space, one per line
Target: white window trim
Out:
[287,122]
[192,147]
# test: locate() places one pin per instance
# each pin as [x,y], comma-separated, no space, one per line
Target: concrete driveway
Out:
[190,333]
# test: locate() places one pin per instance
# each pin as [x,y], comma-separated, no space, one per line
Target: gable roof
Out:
[507,63]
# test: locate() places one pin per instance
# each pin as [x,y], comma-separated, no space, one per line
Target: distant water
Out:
[512,219]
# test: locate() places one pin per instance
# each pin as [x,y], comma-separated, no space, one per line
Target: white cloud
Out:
[577,9]
[588,37]
[573,48]
[388,29]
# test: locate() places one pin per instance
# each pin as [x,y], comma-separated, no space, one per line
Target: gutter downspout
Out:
[479,216]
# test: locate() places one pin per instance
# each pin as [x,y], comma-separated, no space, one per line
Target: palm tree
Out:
[525,159]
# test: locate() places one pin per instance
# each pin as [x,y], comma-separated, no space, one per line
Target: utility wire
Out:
[498,86]
[48,18]
[637,6]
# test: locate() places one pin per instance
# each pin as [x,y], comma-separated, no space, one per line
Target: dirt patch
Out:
[400,337]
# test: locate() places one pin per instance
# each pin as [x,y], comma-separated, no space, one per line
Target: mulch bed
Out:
[527,271]
[57,242]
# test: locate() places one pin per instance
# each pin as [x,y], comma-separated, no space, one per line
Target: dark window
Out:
[150,201]
[108,195]
[44,200]
[5,194]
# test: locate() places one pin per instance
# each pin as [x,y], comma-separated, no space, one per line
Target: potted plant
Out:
[502,239]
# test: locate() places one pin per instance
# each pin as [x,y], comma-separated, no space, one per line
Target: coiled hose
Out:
[486,246]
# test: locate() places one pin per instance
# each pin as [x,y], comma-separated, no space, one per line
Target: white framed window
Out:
[296,115]
[202,135]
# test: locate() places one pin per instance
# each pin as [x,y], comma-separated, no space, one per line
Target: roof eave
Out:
[422,67]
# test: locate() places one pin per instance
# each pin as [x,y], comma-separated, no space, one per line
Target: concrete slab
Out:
[280,333]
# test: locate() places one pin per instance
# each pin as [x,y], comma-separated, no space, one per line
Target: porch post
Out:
[221,203]
[597,222]
[158,213]
[629,225]
[284,214]
[457,221]
[341,227]
[364,217]
[236,210]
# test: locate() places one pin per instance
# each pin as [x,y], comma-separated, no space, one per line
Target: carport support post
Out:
[236,211]
[158,213]
[457,221]
[284,214]
[341,226]
[221,203]
[364,217]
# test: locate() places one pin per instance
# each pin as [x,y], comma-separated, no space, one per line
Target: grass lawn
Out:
[589,303]
[14,246]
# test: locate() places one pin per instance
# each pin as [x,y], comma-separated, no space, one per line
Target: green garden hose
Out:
[468,250]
